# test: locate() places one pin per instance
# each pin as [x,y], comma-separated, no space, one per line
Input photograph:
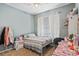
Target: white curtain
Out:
[43,26]
[49,26]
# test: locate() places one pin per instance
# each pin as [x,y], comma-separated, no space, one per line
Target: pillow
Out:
[31,35]
[21,37]
[25,35]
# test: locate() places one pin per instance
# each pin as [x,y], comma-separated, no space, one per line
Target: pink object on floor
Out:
[63,50]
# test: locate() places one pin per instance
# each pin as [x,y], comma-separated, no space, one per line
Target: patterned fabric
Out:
[63,50]
[6,40]
[10,34]
[37,43]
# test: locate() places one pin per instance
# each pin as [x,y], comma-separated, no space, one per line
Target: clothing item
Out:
[6,37]
[10,34]
[2,36]
[63,50]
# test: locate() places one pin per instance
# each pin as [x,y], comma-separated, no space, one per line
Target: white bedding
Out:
[40,38]
[38,41]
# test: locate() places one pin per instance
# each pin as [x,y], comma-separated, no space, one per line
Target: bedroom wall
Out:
[77,6]
[63,11]
[18,20]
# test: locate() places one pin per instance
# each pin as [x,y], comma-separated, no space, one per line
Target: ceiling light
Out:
[35,5]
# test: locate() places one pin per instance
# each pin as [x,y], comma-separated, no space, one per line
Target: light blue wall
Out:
[19,21]
[22,22]
[77,6]
[64,10]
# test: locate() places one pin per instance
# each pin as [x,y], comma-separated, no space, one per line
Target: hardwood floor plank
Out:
[27,52]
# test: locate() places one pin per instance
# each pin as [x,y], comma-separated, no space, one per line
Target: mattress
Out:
[37,43]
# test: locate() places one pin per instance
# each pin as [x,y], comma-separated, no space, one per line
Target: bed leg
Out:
[42,52]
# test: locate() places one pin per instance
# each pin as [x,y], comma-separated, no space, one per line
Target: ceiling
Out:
[37,7]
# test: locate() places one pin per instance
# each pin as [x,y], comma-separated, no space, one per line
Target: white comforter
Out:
[39,41]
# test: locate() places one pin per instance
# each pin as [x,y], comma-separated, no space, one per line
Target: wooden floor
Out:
[27,52]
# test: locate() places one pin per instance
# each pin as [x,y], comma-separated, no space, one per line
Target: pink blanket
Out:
[63,50]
